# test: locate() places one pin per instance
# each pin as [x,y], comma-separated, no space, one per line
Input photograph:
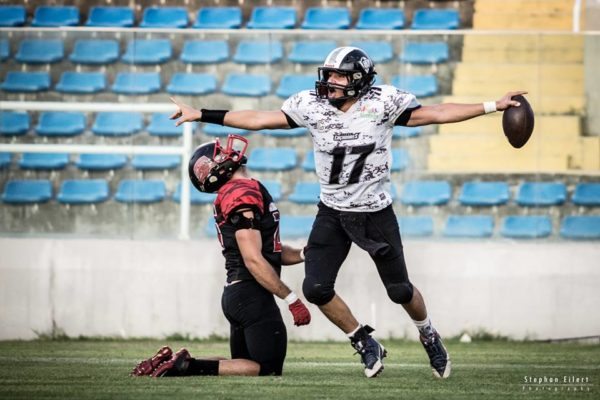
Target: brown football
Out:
[517,122]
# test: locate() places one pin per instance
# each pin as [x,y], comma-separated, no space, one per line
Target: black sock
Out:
[202,367]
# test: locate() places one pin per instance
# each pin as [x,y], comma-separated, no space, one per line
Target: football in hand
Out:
[517,122]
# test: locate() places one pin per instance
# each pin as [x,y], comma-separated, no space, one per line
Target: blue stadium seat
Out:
[581,227]
[436,19]
[101,162]
[526,227]
[222,131]
[426,193]
[12,15]
[541,194]
[272,18]
[416,226]
[204,51]
[81,82]
[210,229]
[420,86]
[44,161]
[405,132]
[380,18]
[483,194]
[425,53]
[400,160]
[140,191]
[95,51]
[14,123]
[164,17]
[469,226]
[83,191]
[16,81]
[5,159]
[247,85]
[147,51]
[218,18]
[111,16]
[587,194]
[284,133]
[380,52]
[4,50]
[40,51]
[305,193]
[311,52]
[61,123]
[326,18]
[136,83]
[27,191]
[291,84]
[192,84]
[274,189]
[295,226]
[196,196]
[272,159]
[309,162]
[51,16]
[111,123]
[161,125]
[258,52]
[147,162]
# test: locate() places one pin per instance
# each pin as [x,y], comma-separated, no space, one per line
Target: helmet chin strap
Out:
[338,102]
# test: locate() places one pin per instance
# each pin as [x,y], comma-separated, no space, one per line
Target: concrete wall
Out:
[156,288]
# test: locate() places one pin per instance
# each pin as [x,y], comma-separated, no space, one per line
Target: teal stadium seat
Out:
[425,53]
[12,15]
[582,227]
[14,123]
[420,86]
[83,191]
[258,52]
[30,82]
[406,132]
[526,227]
[482,194]
[587,194]
[295,226]
[380,52]
[305,193]
[204,52]
[400,160]
[284,133]
[426,193]
[136,83]
[141,191]
[114,123]
[311,52]
[95,51]
[192,84]
[247,85]
[537,194]
[222,131]
[27,191]
[101,162]
[61,123]
[119,17]
[4,50]
[161,125]
[5,160]
[218,18]
[272,159]
[196,197]
[308,164]
[40,51]
[416,226]
[44,161]
[436,19]
[164,17]
[272,18]
[149,162]
[291,84]
[81,82]
[380,18]
[326,18]
[147,51]
[274,189]
[469,226]
[52,16]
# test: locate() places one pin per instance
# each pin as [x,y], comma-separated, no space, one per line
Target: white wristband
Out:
[489,106]
[302,254]
[290,298]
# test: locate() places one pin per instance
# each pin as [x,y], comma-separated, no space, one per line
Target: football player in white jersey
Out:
[351,121]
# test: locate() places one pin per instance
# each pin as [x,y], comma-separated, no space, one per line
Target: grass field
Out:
[88,369]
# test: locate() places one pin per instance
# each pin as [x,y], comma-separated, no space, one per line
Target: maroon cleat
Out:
[146,367]
[175,366]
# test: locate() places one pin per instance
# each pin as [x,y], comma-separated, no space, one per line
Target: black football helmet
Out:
[211,165]
[352,62]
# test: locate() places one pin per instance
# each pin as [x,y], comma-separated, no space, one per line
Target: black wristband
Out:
[213,116]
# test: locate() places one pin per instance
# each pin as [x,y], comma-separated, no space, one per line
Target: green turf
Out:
[99,370]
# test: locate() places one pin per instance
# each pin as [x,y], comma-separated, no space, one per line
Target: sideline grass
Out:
[91,369]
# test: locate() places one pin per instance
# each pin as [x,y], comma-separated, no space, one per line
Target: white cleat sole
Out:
[446,371]
[377,368]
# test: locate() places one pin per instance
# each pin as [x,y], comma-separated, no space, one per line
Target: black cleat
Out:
[372,354]
[439,359]
[175,366]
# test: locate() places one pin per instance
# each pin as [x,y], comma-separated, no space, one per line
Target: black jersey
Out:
[241,194]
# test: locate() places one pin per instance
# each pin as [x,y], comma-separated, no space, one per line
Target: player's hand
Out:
[505,102]
[300,313]
[185,113]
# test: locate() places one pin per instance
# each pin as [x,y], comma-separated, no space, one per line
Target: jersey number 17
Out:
[339,153]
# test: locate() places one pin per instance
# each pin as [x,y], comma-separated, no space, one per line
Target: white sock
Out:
[351,334]
[425,328]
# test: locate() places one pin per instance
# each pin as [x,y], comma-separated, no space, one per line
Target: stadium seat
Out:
[416,226]
[44,161]
[295,226]
[380,18]
[326,18]
[305,193]
[140,191]
[436,19]
[469,226]
[81,82]
[164,17]
[210,229]
[380,52]
[147,51]
[247,85]
[526,227]
[122,17]
[481,194]
[5,159]
[101,162]
[146,162]
[14,123]
[309,162]
[192,84]
[311,52]
[196,196]
[218,18]
[274,189]
[52,16]
[4,50]
[541,194]
[40,51]
[426,193]
[61,123]
[12,15]
[27,191]
[222,131]
[284,133]
[95,51]
[587,194]
[291,84]
[272,18]
[420,86]
[83,191]
[405,132]
[16,81]
[272,159]
[136,83]
[581,227]
[400,160]
[161,125]
[258,52]
[425,53]
[111,123]
[204,51]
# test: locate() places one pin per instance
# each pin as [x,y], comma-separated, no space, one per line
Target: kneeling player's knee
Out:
[400,293]
[317,292]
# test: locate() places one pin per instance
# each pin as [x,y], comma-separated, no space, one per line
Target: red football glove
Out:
[300,313]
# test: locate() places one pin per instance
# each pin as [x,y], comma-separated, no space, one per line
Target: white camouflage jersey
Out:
[352,149]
